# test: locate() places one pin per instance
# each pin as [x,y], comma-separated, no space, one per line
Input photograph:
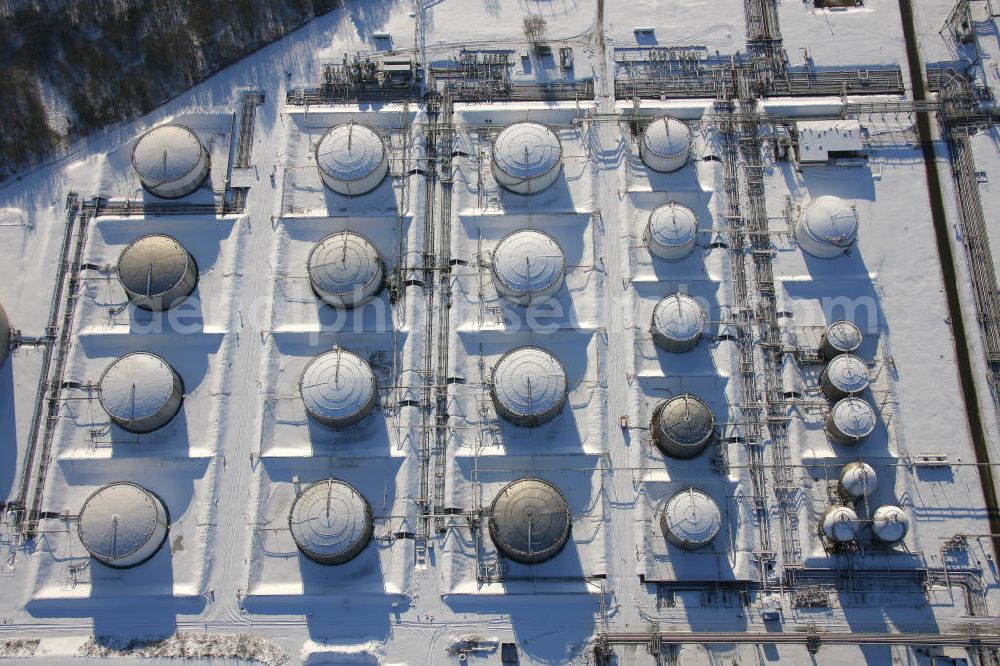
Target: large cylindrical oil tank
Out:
[858,479]
[345,270]
[671,231]
[827,228]
[890,524]
[123,525]
[665,144]
[839,524]
[840,337]
[530,521]
[527,157]
[677,323]
[339,389]
[683,426]
[528,265]
[845,375]
[171,161]
[352,159]
[850,421]
[157,272]
[331,522]
[141,392]
[529,386]
[690,519]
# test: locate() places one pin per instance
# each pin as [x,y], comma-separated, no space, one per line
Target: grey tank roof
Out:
[683,426]
[157,267]
[530,521]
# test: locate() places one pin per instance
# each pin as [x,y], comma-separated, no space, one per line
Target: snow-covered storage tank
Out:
[890,524]
[339,389]
[122,524]
[845,375]
[157,272]
[141,392]
[840,337]
[683,426]
[526,157]
[352,159]
[4,335]
[850,421]
[665,144]
[528,265]
[827,227]
[690,519]
[671,231]
[858,479]
[171,161]
[331,522]
[677,323]
[529,386]
[839,524]
[530,521]
[345,270]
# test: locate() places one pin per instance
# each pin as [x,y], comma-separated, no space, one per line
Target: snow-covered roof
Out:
[345,266]
[853,417]
[167,153]
[530,520]
[331,521]
[683,425]
[691,519]
[858,479]
[847,373]
[672,227]
[890,523]
[679,317]
[818,138]
[667,137]
[840,523]
[528,263]
[136,387]
[843,336]
[338,387]
[527,150]
[350,152]
[529,383]
[120,520]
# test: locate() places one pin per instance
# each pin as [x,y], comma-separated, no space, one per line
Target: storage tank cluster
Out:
[171,161]
[841,524]
[827,228]
[844,379]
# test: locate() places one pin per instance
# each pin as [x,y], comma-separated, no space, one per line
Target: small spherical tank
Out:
[141,392]
[529,386]
[827,228]
[858,479]
[331,522]
[683,426]
[527,157]
[840,337]
[844,376]
[690,519]
[890,524]
[530,521]
[157,272]
[339,389]
[665,144]
[850,421]
[839,524]
[528,265]
[677,323]
[352,159]
[345,270]
[171,161]
[671,231]
[122,525]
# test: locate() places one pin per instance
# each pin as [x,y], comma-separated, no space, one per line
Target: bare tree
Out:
[534,28]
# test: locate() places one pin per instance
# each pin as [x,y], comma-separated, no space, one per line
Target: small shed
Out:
[823,141]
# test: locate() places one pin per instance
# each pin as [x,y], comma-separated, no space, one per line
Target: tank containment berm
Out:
[171,161]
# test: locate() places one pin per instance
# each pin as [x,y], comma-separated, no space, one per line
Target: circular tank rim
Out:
[834,343]
[351,552]
[666,122]
[145,419]
[537,418]
[696,449]
[702,317]
[532,290]
[191,263]
[671,243]
[355,418]
[358,179]
[156,182]
[375,282]
[556,163]
[548,553]
[689,544]
[156,497]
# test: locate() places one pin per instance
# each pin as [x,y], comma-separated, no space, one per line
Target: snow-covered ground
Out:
[230,464]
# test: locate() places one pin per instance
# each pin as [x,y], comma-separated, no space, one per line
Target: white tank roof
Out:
[848,373]
[122,524]
[843,336]
[666,138]
[679,317]
[840,524]
[858,479]
[828,227]
[691,519]
[529,383]
[528,264]
[671,231]
[350,152]
[167,153]
[854,417]
[136,387]
[338,387]
[331,521]
[345,269]
[526,151]
[530,521]
[890,524]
